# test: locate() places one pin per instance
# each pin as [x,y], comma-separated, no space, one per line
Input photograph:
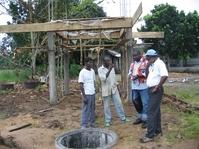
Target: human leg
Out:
[85,114]
[153,112]
[92,110]
[135,96]
[107,111]
[118,105]
[145,99]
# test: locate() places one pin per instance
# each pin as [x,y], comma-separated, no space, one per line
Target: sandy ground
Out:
[23,106]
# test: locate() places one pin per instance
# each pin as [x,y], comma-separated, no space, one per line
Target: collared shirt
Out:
[87,77]
[109,84]
[156,71]
[136,84]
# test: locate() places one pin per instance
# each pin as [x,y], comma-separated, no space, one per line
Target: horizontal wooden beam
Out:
[68,25]
[86,46]
[115,35]
[148,34]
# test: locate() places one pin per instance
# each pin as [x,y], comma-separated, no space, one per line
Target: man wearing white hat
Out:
[157,75]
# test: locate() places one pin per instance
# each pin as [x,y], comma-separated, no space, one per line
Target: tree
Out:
[181,31]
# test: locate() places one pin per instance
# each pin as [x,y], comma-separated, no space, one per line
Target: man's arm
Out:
[110,68]
[162,81]
[83,92]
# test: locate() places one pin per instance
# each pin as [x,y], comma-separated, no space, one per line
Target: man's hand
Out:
[110,68]
[155,89]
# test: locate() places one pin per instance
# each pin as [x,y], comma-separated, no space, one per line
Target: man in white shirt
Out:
[110,91]
[157,75]
[87,87]
[140,97]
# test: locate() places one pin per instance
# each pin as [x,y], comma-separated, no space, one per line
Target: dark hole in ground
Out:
[89,138]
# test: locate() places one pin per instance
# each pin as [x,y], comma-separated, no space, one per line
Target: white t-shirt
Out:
[87,77]
[156,71]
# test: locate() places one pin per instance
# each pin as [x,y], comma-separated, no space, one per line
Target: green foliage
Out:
[14,75]
[186,128]
[181,31]
[87,9]
[74,70]
[188,94]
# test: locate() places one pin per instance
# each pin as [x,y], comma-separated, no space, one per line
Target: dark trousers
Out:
[88,111]
[154,113]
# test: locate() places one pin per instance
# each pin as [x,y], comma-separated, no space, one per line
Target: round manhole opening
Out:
[87,138]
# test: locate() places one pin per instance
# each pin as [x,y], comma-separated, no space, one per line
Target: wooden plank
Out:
[87,46]
[45,110]
[148,34]
[137,14]
[68,26]
[18,127]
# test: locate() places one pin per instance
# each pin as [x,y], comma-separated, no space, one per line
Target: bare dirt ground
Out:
[24,106]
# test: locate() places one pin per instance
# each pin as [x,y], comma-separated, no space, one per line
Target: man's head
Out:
[107,60]
[136,55]
[88,63]
[151,55]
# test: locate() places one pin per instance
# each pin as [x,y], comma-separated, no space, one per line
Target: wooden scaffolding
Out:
[119,29]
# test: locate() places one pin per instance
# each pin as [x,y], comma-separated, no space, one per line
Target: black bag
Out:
[138,104]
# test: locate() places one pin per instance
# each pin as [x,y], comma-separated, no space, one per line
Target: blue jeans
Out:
[88,111]
[118,106]
[145,99]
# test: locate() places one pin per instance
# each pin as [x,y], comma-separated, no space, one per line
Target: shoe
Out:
[126,120]
[146,139]
[144,125]
[137,121]
[107,124]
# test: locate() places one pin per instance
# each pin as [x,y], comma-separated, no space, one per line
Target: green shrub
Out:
[16,75]
[74,70]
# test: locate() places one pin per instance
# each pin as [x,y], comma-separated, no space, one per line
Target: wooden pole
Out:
[52,72]
[66,72]
[123,69]
[128,60]
[81,52]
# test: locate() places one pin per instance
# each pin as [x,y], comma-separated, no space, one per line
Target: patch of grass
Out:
[188,94]
[190,125]
[187,128]
[14,75]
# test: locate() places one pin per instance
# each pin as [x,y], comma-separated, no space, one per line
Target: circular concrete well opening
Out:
[87,138]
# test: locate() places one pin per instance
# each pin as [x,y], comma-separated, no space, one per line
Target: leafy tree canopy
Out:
[181,30]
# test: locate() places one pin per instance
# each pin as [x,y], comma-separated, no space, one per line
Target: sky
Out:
[112,8]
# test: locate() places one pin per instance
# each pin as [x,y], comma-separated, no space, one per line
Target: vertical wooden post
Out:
[66,72]
[128,60]
[52,72]
[123,70]
[81,52]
